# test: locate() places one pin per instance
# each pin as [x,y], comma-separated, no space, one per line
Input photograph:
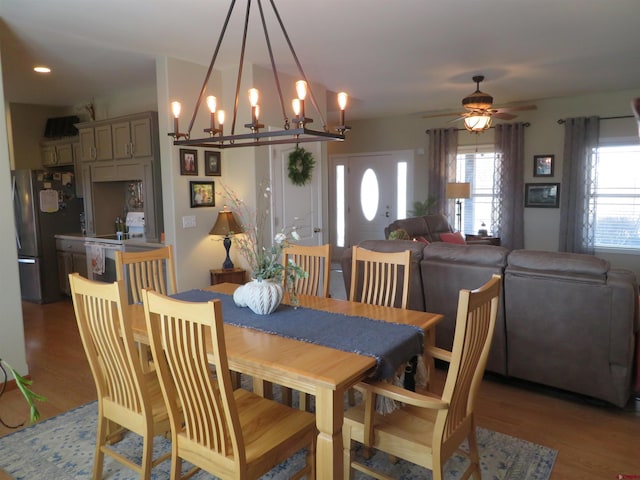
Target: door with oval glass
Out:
[376,195]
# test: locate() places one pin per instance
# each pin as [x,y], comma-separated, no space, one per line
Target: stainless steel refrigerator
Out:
[45,205]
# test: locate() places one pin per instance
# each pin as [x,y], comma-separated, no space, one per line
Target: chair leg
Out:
[287,397]
[346,458]
[474,456]
[101,440]
[147,456]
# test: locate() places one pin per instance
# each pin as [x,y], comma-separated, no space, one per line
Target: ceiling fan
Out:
[479,114]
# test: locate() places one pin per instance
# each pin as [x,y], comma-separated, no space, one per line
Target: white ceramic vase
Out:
[262,296]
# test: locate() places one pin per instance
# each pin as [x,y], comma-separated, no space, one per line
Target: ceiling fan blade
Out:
[456,119]
[516,108]
[450,114]
[503,116]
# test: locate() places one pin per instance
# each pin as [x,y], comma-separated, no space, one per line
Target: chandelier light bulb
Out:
[342,100]
[253,97]
[257,112]
[295,104]
[221,117]
[211,103]
[301,89]
[175,108]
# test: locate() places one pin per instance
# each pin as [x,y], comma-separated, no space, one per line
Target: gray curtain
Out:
[508,196]
[443,148]
[577,210]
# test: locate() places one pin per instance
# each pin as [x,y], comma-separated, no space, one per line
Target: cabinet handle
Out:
[93,152]
[132,149]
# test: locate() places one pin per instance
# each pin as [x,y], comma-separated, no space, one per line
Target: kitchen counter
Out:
[130,243]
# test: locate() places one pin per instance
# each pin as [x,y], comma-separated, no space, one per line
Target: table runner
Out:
[391,344]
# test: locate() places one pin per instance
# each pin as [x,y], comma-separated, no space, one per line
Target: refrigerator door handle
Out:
[26,260]
[16,202]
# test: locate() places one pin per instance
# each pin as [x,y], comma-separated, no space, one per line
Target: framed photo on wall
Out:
[202,194]
[543,165]
[542,195]
[188,162]
[212,166]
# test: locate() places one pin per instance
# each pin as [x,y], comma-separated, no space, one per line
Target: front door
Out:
[293,205]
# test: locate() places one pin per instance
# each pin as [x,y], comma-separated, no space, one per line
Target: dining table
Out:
[327,373]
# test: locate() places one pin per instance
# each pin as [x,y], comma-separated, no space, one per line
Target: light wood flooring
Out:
[594,441]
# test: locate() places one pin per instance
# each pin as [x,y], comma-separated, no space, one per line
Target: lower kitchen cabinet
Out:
[72,257]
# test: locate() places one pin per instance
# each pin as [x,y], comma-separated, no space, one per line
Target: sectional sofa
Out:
[567,321]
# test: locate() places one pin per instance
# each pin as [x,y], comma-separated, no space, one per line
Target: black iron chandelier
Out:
[294,130]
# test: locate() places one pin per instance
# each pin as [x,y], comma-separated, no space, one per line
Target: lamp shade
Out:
[458,190]
[478,122]
[226,224]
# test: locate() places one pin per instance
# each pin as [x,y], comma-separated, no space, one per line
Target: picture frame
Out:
[188,162]
[543,165]
[212,164]
[542,195]
[202,194]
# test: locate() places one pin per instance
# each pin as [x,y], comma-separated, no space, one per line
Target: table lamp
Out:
[226,224]
[458,191]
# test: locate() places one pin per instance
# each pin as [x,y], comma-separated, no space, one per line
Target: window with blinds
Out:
[615,196]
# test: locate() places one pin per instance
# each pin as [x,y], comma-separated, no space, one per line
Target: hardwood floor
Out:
[595,442]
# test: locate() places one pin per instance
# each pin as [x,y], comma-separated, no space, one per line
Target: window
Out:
[615,196]
[477,165]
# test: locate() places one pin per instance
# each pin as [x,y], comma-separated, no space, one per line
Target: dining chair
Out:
[316,261]
[428,429]
[127,397]
[229,434]
[150,269]
[380,278]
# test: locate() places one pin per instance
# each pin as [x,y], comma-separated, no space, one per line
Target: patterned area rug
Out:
[61,448]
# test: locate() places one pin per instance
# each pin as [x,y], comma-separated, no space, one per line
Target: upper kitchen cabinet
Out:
[56,153]
[95,142]
[133,138]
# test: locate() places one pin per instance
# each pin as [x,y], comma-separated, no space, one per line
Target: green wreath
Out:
[301,165]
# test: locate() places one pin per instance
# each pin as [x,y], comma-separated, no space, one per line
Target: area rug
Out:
[62,448]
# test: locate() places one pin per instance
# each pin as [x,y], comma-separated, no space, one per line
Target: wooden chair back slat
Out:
[316,261]
[151,270]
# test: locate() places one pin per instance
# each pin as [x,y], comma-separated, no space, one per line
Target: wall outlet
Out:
[189,221]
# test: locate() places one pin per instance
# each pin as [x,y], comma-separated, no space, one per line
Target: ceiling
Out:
[393,57]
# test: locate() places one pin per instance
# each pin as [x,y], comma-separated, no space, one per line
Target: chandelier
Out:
[295,130]
[477,121]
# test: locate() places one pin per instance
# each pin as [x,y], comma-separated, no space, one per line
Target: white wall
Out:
[12,347]
[544,136]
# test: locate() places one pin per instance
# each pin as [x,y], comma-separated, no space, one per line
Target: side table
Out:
[491,240]
[233,275]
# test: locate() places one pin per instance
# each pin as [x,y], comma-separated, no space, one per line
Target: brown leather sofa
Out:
[567,321]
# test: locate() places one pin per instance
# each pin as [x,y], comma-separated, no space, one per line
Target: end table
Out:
[232,275]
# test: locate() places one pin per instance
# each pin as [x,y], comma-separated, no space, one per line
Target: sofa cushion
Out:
[574,266]
[454,237]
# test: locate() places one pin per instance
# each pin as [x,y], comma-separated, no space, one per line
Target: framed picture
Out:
[188,162]
[542,195]
[202,194]
[212,165]
[543,165]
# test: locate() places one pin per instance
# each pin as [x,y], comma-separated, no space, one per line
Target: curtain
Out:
[508,196]
[443,147]
[577,211]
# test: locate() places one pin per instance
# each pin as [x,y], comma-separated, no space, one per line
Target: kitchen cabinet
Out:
[72,257]
[132,138]
[95,142]
[57,153]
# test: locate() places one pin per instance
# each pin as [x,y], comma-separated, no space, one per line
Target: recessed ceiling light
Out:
[42,69]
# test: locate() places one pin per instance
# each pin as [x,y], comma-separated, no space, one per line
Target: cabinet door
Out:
[121,140]
[65,263]
[104,147]
[64,154]
[85,178]
[87,150]
[141,140]
[48,153]
[80,264]
[148,196]
[77,149]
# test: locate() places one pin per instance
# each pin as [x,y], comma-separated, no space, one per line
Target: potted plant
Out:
[23,385]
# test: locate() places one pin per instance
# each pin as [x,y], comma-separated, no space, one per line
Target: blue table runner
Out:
[391,344]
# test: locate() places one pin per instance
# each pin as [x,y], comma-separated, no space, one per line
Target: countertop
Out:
[136,241]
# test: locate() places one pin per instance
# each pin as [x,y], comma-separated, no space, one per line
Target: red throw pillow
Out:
[421,239]
[455,237]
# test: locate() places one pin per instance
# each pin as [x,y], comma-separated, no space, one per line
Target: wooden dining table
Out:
[321,371]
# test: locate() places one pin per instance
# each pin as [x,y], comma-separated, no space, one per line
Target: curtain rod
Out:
[526,124]
[562,120]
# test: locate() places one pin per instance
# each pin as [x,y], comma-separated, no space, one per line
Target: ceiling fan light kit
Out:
[479,115]
[293,131]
